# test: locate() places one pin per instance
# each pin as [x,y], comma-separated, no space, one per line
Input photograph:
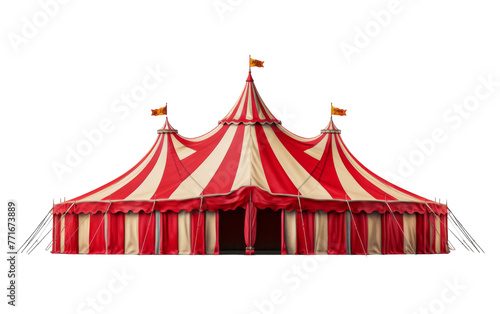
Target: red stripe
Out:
[198,224]
[243,114]
[116,233]
[359,233]
[326,174]
[305,228]
[56,233]
[176,170]
[240,103]
[173,174]
[255,113]
[305,143]
[130,187]
[392,236]
[362,181]
[296,149]
[203,149]
[276,177]
[256,100]
[433,233]
[377,177]
[119,178]
[147,224]
[97,242]
[336,233]
[223,179]
[423,234]
[169,234]
[231,117]
[260,103]
[70,233]
[283,242]
[269,117]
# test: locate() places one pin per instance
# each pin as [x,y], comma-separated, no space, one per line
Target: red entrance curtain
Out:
[305,229]
[97,241]
[168,233]
[336,233]
[392,236]
[359,234]
[423,234]
[147,224]
[250,228]
[71,233]
[116,233]
[56,233]
[198,232]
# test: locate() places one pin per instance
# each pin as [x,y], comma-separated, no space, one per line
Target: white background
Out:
[427,58]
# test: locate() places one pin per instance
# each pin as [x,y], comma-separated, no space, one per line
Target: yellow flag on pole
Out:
[337,111]
[256,63]
[159,112]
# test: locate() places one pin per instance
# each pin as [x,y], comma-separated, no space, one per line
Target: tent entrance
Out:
[231,231]
[268,240]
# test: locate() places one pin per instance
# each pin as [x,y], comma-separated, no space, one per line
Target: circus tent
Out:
[249,186]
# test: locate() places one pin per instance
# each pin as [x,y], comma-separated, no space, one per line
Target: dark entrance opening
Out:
[268,239]
[231,231]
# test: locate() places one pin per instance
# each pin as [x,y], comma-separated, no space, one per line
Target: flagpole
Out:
[249,65]
[331,115]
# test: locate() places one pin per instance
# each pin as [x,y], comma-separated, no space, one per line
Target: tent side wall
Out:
[304,233]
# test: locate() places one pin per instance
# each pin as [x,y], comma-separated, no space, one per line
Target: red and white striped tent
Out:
[249,186]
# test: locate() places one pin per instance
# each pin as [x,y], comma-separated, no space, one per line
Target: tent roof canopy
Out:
[250,108]
[249,158]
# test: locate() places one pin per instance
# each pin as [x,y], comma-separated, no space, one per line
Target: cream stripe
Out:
[290,232]
[148,187]
[438,234]
[258,103]
[386,188]
[210,232]
[309,186]
[202,137]
[184,232]
[62,229]
[410,231]
[181,150]
[244,171]
[250,170]
[320,232]
[269,114]
[131,233]
[317,150]
[204,173]
[109,190]
[83,233]
[374,233]
[350,185]
[249,113]
[258,176]
[241,104]
[296,137]
[236,105]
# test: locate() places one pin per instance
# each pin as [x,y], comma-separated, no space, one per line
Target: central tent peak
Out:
[250,108]
[249,78]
